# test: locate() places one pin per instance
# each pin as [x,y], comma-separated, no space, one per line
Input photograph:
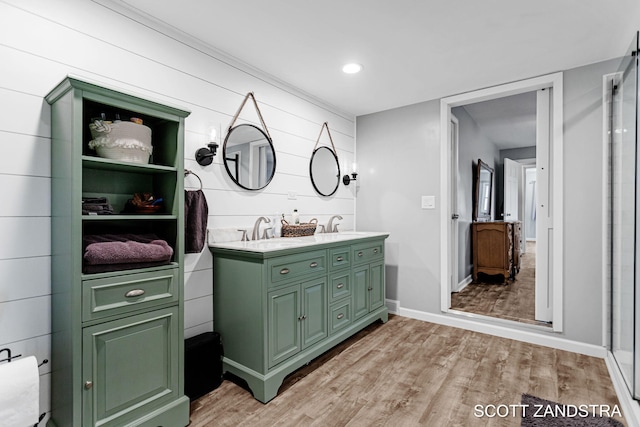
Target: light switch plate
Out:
[428,202]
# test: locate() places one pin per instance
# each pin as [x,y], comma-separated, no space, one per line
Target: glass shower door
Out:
[625,220]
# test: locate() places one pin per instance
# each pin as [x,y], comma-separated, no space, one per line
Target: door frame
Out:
[556,185]
[454,139]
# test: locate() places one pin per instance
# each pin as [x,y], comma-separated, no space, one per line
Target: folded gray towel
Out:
[122,249]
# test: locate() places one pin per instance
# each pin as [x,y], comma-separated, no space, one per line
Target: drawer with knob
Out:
[340,257]
[125,293]
[367,252]
[283,269]
[339,316]
[340,285]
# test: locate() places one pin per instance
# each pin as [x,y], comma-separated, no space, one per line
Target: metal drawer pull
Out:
[375,251]
[88,385]
[340,285]
[313,264]
[340,316]
[339,259]
[284,271]
[134,293]
[360,253]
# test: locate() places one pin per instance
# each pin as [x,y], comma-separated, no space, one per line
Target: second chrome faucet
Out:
[331,227]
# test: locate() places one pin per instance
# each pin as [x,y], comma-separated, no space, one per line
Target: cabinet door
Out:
[284,324]
[376,285]
[314,311]
[360,291]
[130,367]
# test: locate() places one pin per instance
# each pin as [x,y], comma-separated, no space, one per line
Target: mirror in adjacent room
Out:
[483,190]
[249,156]
[324,170]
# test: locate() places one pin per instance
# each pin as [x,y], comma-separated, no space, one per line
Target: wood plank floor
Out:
[413,373]
[514,300]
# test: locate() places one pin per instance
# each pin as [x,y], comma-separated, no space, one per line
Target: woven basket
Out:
[299,230]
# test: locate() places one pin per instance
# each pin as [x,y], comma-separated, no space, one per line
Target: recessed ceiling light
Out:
[352,68]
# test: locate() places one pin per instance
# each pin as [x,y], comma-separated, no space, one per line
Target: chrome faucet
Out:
[331,228]
[255,235]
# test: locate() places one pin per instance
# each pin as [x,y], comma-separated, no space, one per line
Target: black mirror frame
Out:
[311,172]
[476,216]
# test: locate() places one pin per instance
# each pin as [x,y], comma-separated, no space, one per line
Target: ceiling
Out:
[411,50]
[510,122]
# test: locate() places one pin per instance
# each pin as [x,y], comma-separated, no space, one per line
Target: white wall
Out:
[41,41]
[389,199]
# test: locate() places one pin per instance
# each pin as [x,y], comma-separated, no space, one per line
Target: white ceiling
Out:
[412,50]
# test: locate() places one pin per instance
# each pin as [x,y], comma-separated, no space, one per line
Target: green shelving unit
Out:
[117,336]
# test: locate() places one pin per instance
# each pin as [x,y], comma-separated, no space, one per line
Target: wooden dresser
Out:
[496,248]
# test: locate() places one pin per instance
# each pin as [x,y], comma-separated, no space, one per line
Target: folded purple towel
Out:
[129,251]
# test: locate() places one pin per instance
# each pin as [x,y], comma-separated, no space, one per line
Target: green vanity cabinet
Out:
[117,340]
[278,305]
[368,278]
[297,318]
[368,288]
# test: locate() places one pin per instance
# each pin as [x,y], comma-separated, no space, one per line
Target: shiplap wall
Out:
[42,41]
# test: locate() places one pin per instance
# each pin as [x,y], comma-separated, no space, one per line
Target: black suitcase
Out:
[202,364]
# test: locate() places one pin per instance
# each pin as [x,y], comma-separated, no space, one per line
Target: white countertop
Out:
[280,243]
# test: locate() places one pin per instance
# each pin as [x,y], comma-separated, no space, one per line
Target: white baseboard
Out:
[392,305]
[463,284]
[517,334]
[630,407]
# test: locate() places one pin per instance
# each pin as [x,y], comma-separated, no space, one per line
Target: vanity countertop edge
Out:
[262,249]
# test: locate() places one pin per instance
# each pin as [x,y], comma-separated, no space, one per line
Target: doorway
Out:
[549,206]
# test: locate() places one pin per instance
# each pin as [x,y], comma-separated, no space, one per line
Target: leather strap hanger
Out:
[255,103]
[325,125]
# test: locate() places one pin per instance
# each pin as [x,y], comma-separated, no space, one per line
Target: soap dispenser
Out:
[295,218]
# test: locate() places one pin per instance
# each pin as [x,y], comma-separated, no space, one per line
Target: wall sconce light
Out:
[346,179]
[204,156]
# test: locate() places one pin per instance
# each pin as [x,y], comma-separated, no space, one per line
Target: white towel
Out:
[19,392]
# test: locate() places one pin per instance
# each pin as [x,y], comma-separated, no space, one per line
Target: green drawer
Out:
[340,257]
[340,285]
[290,267]
[126,293]
[367,252]
[339,316]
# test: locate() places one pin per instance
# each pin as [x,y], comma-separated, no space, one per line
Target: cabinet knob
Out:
[375,251]
[369,289]
[302,317]
[134,293]
[340,316]
[88,385]
[340,285]
[284,271]
[339,259]
[360,253]
[313,264]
